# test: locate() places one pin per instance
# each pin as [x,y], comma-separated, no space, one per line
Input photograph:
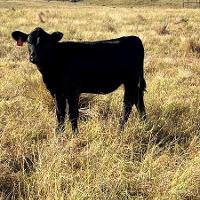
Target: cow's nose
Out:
[31,58]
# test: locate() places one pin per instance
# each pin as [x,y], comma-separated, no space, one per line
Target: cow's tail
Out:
[142,84]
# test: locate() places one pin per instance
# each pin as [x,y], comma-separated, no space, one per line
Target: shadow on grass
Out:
[12,175]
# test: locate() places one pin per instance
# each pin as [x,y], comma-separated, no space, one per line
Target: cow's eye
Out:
[38,41]
[30,42]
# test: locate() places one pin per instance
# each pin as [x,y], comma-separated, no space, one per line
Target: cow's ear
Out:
[19,35]
[56,36]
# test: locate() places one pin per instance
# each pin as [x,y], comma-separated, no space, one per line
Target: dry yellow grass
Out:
[156,160]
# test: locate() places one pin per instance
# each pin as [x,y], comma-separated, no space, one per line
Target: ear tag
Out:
[19,42]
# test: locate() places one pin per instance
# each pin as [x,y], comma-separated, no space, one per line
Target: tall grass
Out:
[158,159]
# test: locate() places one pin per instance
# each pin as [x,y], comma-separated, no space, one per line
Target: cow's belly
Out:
[99,87]
[100,79]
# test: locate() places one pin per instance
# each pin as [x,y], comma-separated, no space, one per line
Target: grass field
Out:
[110,3]
[156,160]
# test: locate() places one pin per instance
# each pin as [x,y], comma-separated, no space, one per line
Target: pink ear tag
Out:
[19,42]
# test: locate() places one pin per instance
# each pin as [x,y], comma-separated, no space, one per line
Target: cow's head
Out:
[40,43]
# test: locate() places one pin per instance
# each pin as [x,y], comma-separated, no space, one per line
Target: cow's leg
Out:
[73,112]
[139,103]
[60,101]
[129,100]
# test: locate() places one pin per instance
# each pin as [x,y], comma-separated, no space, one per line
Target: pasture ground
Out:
[158,159]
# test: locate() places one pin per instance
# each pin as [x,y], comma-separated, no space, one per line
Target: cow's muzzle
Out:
[34,60]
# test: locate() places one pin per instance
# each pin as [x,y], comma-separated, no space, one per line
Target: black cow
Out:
[71,68]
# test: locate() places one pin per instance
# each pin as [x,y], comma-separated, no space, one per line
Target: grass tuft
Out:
[193,45]
[162,29]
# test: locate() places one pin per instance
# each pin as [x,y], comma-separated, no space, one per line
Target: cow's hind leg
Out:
[60,101]
[139,103]
[129,100]
[73,112]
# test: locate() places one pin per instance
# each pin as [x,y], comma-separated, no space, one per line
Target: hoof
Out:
[143,118]
[60,129]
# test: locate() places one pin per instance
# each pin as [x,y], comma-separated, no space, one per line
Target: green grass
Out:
[156,160]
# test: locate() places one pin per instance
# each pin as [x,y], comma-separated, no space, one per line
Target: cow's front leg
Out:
[60,101]
[73,112]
